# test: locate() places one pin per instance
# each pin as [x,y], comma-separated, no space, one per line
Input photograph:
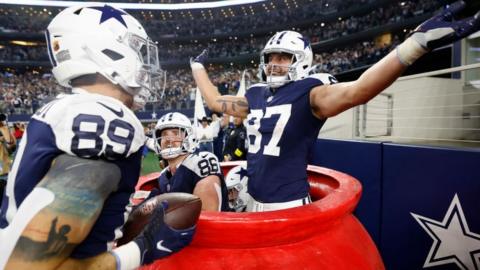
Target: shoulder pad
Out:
[106,119]
[203,164]
[325,78]
[258,85]
[206,155]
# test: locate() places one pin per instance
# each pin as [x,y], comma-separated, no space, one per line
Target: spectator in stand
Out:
[18,130]
[7,146]
[236,142]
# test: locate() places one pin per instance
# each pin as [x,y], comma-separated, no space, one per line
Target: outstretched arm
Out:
[440,30]
[330,100]
[232,105]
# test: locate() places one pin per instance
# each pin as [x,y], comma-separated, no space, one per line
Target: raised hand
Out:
[442,29]
[437,31]
[200,60]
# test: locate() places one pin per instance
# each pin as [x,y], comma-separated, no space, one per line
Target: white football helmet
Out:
[174,120]
[293,43]
[237,179]
[93,38]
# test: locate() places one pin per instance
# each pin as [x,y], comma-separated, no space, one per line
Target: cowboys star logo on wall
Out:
[453,242]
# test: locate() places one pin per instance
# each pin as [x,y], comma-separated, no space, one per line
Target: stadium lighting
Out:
[24,43]
[144,6]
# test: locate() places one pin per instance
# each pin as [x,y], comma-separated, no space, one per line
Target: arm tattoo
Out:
[56,244]
[224,106]
[240,103]
[80,186]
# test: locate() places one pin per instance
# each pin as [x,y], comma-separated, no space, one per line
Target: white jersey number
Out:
[208,166]
[88,130]
[272,148]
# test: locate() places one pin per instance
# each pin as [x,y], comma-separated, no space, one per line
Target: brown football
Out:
[182,213]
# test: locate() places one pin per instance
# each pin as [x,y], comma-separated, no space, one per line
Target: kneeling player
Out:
[189,172]
[237,182]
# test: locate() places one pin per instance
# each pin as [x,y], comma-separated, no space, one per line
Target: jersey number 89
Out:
[113,134]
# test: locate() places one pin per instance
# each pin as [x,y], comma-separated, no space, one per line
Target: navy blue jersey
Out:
[87,126]
[281,132]
[193,169]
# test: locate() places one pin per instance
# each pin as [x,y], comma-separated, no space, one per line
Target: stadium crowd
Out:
[24,93]
[252,45]
[174,23]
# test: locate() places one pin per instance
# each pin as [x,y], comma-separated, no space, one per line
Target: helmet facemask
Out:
[184,134]
[171,151]
[234,200]
[276,81]
[149,75]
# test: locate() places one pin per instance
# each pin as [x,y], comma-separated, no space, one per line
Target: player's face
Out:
[232,195]
[172,137]
[278,64]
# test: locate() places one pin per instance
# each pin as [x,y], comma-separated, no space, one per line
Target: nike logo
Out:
[117,113]
[162,248]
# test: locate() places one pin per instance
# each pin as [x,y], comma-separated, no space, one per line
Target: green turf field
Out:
[150,164]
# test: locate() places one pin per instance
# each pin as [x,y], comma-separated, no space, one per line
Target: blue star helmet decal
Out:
[109,12]
[242,173]
[306,42]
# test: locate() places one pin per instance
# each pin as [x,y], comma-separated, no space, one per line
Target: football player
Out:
[286,111]
[79,160]
[236,181]
[187,171]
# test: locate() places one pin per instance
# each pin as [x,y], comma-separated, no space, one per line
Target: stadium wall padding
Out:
[361,160]
[420,204]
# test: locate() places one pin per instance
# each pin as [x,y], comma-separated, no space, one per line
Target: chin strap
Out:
[170,153]
[277,81]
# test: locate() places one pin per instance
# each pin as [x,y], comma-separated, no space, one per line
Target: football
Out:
[182,213]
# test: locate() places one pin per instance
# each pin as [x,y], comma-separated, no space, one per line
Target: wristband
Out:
[409,51]
[196,66]
[128,256]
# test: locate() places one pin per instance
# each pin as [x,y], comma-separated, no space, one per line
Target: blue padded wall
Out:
[361,160]
[424,181]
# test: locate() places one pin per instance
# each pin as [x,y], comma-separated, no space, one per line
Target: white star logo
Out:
[453,242]
[154,115]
